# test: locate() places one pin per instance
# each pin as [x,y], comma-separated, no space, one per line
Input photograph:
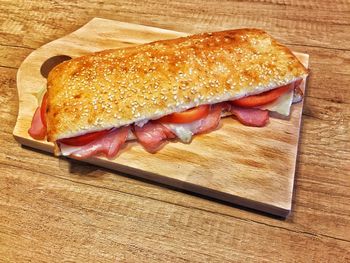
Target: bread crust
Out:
[117,87]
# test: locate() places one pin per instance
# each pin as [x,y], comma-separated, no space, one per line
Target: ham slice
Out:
[152,135]
[251,117]
[212,121]
[108,145]
[37,129]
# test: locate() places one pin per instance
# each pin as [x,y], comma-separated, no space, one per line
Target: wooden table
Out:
[54,210]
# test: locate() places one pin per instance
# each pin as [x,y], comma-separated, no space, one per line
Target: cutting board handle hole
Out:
[50,63]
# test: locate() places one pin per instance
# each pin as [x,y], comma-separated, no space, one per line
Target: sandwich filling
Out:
[152,134]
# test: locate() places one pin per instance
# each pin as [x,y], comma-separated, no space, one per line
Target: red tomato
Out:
[263,98]
[186,116]
[84,139]
[43,109]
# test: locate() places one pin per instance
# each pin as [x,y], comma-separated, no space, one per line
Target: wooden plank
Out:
[262,179]
[315,175]
[289,20]
[13,56]
[321,202]
[43,218]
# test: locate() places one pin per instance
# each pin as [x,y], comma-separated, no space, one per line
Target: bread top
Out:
[118,87]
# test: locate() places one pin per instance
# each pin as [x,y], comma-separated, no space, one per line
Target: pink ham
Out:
[152,135]
[37,129]
[212,121]
[108,145]
[251,117]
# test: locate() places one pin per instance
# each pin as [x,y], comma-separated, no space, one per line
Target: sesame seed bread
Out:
[118,87]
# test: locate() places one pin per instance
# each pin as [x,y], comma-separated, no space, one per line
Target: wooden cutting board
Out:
[249,166]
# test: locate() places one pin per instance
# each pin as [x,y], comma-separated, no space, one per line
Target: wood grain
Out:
[38,224]
[260,173]
[71,213]
[285,19]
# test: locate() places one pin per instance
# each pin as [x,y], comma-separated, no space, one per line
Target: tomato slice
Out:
[186,116]
[263,98]
[43,109]
[83,139]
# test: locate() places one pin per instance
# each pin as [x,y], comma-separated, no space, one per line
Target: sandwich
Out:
[166,90]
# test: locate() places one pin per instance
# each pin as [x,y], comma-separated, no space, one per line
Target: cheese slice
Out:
[281,105]
[184,131]
[67,150]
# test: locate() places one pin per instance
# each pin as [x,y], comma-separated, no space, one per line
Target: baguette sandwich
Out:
[166,90]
